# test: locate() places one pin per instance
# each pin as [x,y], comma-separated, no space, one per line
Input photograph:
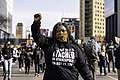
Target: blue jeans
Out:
[21,62]
[8,67]
[103,64]
[37,68]
[113,63]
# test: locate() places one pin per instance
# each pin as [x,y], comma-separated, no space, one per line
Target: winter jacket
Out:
[38,56]
[27,54]
[63,62]
[7,53]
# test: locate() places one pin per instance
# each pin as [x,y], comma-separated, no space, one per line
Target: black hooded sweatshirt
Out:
[62,62]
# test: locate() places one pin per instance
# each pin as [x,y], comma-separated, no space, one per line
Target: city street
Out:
[60,33]
[16,75]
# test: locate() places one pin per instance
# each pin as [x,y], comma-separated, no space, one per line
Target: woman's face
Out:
[61,34]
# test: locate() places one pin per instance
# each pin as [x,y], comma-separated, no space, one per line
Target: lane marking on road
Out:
[112,78]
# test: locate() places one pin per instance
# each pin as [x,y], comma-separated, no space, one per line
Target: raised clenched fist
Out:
[37,17]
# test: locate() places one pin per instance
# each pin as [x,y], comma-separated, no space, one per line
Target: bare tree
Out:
[3,21]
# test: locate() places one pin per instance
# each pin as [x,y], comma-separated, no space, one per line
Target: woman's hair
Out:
[70,37]
[6,43]
[55,28]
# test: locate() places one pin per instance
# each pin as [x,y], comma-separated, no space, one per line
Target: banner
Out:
[117,39]
[29,42]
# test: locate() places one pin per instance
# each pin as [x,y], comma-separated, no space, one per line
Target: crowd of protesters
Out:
[108,57]
[25,55]
[61,40]
[29,55]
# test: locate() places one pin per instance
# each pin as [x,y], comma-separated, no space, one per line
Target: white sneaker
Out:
[19,69]
[13,63]
[23,68]
[38,75]
[35,74]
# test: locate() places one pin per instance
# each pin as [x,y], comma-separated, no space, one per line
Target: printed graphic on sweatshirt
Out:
[64,57]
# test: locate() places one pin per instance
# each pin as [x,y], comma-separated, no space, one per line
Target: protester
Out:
[2,60]
[7,53]
[28,59]
[38,56]
[110,52]
[91,50]
[117,60]
[15,56]
[103,60]
[21,52]
[63,57]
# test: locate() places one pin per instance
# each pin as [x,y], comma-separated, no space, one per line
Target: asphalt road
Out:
[17,75]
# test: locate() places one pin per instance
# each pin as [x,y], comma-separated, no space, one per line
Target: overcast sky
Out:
[52,11]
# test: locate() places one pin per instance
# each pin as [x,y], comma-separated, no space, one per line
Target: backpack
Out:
[38,52]
[90,50]
[27,56]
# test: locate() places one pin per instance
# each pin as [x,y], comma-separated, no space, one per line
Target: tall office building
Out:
[19,30]
[117,10]
[112,14]
[6,9]
[9,15]
[92,19]
[73,25]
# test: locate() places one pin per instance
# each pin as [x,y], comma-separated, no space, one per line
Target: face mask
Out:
[62,37]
